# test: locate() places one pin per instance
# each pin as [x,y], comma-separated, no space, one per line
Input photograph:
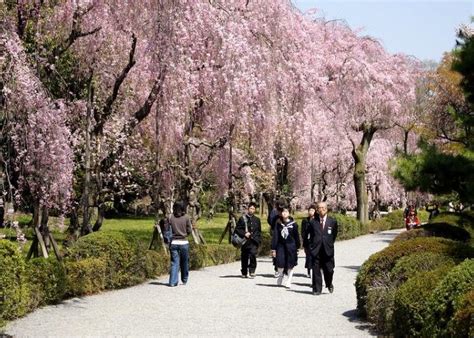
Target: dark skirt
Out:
[286,256]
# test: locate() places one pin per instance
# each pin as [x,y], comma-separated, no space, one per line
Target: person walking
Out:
[179,247]
[305,225]
[285,245]
[322,235]
[249,226]
[272,218]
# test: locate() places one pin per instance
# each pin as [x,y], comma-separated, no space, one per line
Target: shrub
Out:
[220,254]
[447,230]
[393,220]
[156,263]
[348,227]
[411,302]
[408,266]
[447,299]
[14,290]
[47,279]
[381,297]
[463,319]
[86,276]
[376,270]
[123,257]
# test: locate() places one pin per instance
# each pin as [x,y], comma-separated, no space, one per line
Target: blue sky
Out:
[424,29]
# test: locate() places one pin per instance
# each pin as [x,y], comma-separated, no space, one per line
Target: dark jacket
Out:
[305,225]
[320,239]
[286,248]
[253,226]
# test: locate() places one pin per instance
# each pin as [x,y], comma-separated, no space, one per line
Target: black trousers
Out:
[325,262]
[248,258]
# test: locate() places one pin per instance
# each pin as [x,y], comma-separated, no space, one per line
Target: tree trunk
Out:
[100,217]
[85,228]
[359,153]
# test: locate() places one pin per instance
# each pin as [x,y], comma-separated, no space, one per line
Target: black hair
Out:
[313,206]
[179,208]
[252,204]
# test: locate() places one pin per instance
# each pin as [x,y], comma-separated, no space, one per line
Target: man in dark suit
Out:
[322,235]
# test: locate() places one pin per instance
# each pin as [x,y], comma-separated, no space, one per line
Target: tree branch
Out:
[107,110]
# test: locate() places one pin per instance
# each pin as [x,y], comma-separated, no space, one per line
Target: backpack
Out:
[167,232]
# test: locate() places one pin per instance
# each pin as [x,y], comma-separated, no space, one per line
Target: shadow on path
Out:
[353,317]
[270,285]
[351,267]
[159,283]
[232,276]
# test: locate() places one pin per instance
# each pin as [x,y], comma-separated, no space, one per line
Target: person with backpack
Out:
[305,225]
[249,227]
[180,226]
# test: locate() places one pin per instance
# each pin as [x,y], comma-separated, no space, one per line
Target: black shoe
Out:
[331,288]
[316,293]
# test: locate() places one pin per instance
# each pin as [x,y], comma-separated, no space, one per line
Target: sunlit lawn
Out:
[141,227]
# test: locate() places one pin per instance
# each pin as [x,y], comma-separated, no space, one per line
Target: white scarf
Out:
[285,231]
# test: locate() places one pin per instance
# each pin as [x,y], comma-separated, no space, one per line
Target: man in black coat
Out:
[322,235]
[253,234]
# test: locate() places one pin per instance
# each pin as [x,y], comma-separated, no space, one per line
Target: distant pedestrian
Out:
[305,225]
[412,221]
[433,209]
[249,227]
[179,247]
[272,218]
[285,245]
[322,235]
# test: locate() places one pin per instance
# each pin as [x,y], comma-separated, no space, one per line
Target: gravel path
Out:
[217,302]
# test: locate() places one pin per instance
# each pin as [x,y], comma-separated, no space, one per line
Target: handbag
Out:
[238,241]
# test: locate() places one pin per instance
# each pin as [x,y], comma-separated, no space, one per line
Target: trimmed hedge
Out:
[14,287]
[381,297]
[447,300]
[444,230]
[375,271]
[411,302]
[463,319]
[349,227]
[86,276]
[47,279]
[124,258]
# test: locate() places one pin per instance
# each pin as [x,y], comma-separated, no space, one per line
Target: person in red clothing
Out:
[412,220]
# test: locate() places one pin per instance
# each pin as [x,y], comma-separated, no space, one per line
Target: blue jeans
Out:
[179,261]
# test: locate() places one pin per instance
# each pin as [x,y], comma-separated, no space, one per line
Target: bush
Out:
[47,279]
[381,297]
[447,300]
[393,220]
[14,290]
[444,230]
[463,220]
[411,302]
[463,319]
[220,254]
[123,256]
[348,227]
[375,271]
[86,276]
[156,263]
[408,266]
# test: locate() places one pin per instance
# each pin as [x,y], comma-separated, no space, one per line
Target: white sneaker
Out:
[277,274]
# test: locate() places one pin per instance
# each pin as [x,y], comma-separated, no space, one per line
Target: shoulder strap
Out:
[245,222]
